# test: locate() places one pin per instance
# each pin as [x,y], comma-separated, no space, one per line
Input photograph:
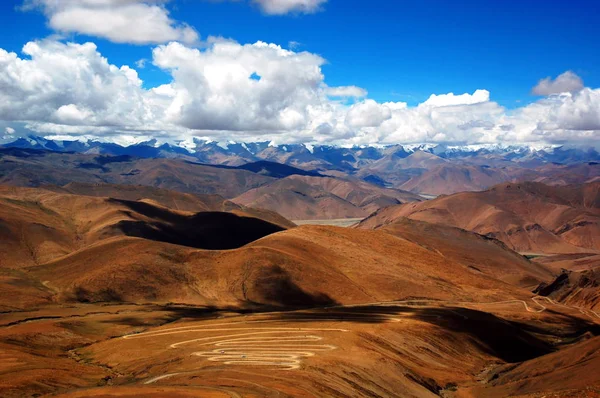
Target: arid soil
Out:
[409,348]
[528,217]
[126,296]
[304,198]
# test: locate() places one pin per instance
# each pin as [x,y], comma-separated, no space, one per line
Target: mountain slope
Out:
[486,255]
[305,197]
[577,289]
[305,266]
[172,199]
[39,225]
[38,168]
[298,200]
[448,179]
[528,217]
[82,248]
[271,169]
[570,372]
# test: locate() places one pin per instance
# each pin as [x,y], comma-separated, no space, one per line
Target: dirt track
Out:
[277,347]
[285,348]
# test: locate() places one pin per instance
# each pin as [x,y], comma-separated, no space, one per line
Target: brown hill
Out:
[452,178]
[573,174]
[298,200]
[367,196]
[397,170]
[305,266]
[37,168]
[528,217]
[570,372]
[305,198]
[570,261]
[172,199]
[409,310]
[576,289]
[168,198]
[486,255]
[436,176]
[76,246]
[39,225]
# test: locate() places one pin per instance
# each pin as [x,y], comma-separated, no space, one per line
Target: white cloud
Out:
[565,83]
[71,114]
[66,88]
[72,84]
[9,130]
[367,114]
[281,7]
[141,63]
[213,89]
[121,21]
[570,117]
[477,97]
[347,91]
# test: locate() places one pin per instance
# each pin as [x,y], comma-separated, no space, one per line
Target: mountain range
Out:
[330,156]
[425,169]
[469,291]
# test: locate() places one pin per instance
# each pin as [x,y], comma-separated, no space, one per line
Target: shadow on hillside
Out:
[206,230]
[275,286]
[272,289]
[510,341]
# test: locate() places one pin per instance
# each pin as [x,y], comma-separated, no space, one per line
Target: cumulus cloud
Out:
[261,91]
[281,7]
[121,21]
[567,82]
[477,97]
[347,91]
[367,114]
[214,89]
[9,130]
[72,85]
[569,117]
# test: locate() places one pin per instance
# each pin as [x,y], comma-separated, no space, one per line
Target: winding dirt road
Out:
[277,347]
[260,343]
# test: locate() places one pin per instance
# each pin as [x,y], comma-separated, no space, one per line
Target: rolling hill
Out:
[77,247]
[305,198]
[575,288]
[452,178]
[39,225]
[528,217]
[303,267]
[486,255]
[172,199]
[125,296]
[36,168]
[263,184]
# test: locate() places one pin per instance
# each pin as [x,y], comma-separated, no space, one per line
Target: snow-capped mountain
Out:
[319,157]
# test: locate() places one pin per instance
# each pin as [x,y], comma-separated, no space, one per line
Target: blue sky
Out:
[398,51]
